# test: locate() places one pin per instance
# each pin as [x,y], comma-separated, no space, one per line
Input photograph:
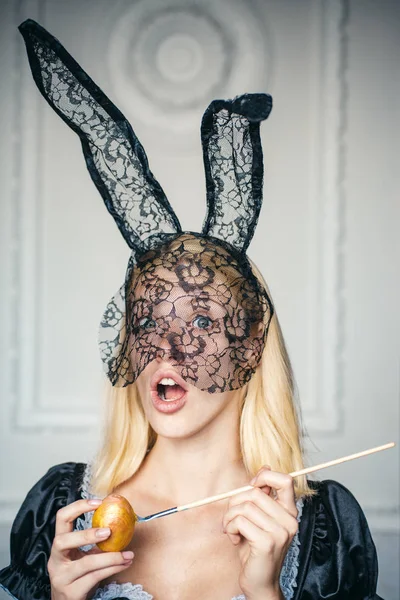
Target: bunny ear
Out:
[115,158]
[230,134]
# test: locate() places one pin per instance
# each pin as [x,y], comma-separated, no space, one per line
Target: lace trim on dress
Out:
[130,591]
[290,568]
[85,522]
[121,590]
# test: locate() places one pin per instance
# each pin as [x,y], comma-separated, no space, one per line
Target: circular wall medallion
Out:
[179,58]
[168,59]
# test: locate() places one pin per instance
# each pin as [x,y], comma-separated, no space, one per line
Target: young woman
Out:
[201,396]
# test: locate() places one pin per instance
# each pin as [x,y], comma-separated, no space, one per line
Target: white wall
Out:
[326,240]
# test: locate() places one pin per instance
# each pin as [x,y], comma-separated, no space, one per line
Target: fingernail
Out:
[103,532]
[128,554]
[95,501]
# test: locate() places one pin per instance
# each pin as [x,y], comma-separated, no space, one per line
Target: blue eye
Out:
[147,323]
[202,322]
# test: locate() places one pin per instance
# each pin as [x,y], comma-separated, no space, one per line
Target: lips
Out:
[168,398]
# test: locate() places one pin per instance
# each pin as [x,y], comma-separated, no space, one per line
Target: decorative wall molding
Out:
[322,409]
[25,244]
[164,77]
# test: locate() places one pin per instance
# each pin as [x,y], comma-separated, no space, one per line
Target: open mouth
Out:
[168,390]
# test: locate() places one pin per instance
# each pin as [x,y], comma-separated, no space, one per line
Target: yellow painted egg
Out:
[116,513]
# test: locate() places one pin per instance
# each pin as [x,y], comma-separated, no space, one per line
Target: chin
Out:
[179,427]
[186,413]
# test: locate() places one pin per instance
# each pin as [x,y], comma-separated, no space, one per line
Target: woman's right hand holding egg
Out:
[75,574]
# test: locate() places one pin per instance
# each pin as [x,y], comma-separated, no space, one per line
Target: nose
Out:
[164,344]
[163,350]
[168,349]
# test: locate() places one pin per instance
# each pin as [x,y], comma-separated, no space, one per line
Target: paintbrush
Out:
[246,488]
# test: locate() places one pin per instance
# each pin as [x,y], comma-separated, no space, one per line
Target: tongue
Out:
[173,392]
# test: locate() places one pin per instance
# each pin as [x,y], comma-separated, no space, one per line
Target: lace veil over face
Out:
[189,298]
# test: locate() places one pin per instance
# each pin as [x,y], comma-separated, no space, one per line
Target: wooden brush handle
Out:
[246,488]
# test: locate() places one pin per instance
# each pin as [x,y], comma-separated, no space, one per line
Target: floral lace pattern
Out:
[85,521]
[130,591]
[192,303]
[290,568]
[127,591]
[233,163]
[117,162]
[119,168]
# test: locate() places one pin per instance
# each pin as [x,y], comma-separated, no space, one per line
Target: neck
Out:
[206,463]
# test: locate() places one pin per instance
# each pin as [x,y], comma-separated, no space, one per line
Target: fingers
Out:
[280,524]
[241,526]
[72,572]
[91,579]
[266,488]
[275,516]
[67,515]
[242,503]
[93,563]
[82,575]
[283,485]
[64,542]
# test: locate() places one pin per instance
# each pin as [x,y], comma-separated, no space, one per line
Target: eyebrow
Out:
[193,303]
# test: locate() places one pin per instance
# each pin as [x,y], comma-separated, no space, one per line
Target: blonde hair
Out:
[270,424]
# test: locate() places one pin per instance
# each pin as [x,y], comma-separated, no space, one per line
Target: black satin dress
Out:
[337,555]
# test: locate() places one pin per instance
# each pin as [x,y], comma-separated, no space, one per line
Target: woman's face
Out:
[196,335]
[191,307]
[182,410]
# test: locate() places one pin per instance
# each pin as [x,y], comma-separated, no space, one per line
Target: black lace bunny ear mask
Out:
[188,298]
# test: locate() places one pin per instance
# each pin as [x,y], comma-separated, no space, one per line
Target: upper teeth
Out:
[167,381]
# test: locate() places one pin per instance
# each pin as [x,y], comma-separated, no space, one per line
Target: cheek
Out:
[212,404]
[143,382]
[140,384]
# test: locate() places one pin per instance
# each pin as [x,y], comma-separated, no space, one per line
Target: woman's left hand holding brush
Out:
[262,527]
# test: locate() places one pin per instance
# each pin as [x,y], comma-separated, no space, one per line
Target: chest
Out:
[182,561]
